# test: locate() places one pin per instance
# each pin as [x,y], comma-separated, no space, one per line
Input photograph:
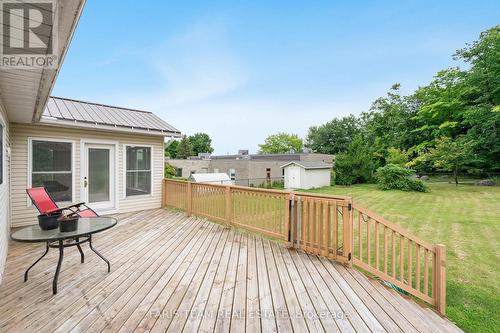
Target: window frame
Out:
[30,165]
[151,162]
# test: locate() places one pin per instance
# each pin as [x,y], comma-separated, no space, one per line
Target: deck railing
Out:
[330,226]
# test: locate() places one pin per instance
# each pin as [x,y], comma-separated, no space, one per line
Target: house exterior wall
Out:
[314,178]
[190,166]
[23,213]
[4,194]
[307,178]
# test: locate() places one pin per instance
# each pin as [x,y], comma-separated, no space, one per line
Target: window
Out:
[232,174]
[138,171]
[51,168]
[268,173]
[1,154]
[179,172]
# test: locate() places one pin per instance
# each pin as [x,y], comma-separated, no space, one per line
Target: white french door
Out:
[98,176]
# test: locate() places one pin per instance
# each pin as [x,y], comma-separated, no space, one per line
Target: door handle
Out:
[85,182]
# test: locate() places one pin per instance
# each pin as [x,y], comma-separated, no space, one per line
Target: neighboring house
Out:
[211,178]
[245,169]
[307,174]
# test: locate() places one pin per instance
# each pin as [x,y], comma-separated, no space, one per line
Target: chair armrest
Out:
[76,205]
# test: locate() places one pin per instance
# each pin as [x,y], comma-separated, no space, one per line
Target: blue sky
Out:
[240,70]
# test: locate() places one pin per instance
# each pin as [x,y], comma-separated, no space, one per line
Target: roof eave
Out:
[49,77]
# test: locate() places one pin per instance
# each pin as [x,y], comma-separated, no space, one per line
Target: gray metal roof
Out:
[85,113]
[310,164]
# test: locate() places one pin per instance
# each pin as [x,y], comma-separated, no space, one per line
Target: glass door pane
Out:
[98,181]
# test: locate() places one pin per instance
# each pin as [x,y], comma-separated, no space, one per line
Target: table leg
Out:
[58,269]
[36,262]
[100,255]
[82,257]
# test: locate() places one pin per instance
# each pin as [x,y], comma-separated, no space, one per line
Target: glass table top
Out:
[86,226]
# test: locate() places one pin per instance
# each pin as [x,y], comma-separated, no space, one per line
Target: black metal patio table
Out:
[56,239]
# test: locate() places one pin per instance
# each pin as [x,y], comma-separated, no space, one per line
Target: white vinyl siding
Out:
[4,192]
[20,134]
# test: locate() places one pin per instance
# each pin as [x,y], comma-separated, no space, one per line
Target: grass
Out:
[464,218]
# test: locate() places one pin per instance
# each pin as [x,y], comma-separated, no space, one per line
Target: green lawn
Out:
[467,220]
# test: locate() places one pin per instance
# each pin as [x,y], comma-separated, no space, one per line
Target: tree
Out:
[201,143]
[356,164]
[333,137]
[170,171]
[396,156]
[281,143]
[185,149]
[171,149]
[451,155]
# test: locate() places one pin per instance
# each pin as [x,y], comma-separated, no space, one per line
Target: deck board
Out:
[174,273]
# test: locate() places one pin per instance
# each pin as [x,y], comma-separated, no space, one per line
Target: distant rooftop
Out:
[283,157]
[310,164]
[70,112]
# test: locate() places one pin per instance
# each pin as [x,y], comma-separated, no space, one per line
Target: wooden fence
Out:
[330,226]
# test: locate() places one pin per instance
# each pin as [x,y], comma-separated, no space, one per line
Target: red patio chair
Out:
[46,205]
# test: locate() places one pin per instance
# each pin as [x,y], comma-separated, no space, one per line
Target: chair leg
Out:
[36,262]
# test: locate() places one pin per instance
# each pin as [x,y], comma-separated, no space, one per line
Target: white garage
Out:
[306,174]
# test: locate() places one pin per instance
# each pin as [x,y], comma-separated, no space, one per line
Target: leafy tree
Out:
[389,123]
[171,149]
[356,165]
[451,155]
[201,143]
[396,156]
[185,149]
[170,171]
[333,137]
[281,143]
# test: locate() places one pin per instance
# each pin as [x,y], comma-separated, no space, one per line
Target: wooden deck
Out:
[173,273]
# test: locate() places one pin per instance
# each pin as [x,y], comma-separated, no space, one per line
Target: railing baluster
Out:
[328,229]
[426,272]
[368,243]
[410,273]
[335,229]
[417,268]
[385,250]
[393,257]
[401,258]
[360,242]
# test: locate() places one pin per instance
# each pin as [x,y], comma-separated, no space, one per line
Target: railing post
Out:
[189,202]
[347,218]
[288,217]
[228,205]
[440,279]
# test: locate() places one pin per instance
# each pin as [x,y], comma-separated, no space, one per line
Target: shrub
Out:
[395,177]
[170,171]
